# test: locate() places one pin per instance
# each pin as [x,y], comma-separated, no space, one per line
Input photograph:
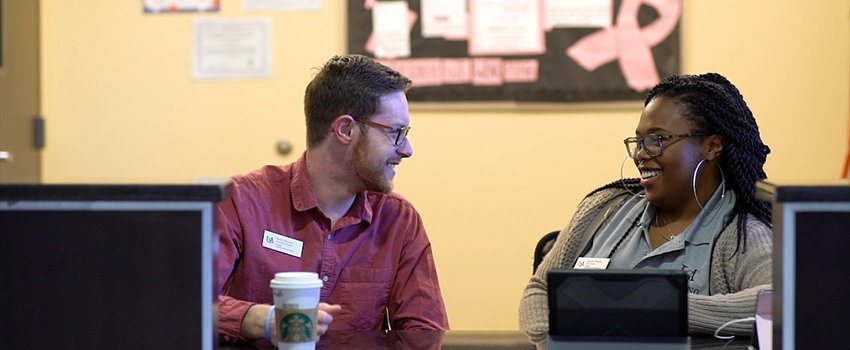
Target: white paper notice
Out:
[282,5]
[391,30]
[444,19]
[232,48]
[180,5]
[579,13]
[506,27]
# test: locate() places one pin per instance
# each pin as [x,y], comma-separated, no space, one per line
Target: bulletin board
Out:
[619,61]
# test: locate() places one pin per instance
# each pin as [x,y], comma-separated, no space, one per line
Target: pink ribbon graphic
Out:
[628,42]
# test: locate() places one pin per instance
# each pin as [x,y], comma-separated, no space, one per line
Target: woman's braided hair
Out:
[711,104]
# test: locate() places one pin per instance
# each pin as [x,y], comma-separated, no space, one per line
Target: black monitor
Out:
[811,255]
[108,267]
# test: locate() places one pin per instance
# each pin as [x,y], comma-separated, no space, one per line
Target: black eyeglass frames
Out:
[652,144]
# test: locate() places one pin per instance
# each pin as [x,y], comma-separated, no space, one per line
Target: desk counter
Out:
[456,340]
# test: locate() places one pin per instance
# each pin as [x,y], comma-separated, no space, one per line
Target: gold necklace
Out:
[666,225]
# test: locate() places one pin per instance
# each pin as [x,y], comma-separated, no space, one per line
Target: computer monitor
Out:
[811,236]
[108,267]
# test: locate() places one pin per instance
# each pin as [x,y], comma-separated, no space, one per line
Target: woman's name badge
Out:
[592,263]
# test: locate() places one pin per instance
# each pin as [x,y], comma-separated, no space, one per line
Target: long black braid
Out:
[711,104]
[630,184]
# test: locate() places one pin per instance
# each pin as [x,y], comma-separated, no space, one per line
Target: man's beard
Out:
[369,171]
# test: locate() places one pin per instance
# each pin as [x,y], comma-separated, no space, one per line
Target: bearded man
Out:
[334,211]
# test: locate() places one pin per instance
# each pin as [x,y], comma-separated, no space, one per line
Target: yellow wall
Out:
[121,106]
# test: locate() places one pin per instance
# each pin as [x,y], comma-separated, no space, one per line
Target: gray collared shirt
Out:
[689,251]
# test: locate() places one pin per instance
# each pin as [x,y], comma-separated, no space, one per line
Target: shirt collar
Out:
[304,199]
[301,188]
[713,216]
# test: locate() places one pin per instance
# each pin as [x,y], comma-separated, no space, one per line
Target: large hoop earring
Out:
[623,183]
[694,182]
[722,183]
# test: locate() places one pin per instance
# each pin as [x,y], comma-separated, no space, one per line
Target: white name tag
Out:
[282,243]
[592,263]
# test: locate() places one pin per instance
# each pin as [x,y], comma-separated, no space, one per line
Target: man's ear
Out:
[342,128]
[713,146]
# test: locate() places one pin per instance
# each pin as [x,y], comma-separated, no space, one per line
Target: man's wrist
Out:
[254,324]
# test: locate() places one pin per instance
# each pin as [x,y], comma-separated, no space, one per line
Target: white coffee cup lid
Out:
[296,280]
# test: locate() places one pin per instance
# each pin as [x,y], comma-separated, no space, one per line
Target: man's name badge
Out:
[282,243]
[592,263]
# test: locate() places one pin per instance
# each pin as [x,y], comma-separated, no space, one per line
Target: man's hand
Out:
[326,316]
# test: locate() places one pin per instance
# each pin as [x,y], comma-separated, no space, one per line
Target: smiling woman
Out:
[699,153]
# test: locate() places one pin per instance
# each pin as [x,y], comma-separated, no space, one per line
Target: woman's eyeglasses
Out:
[652,144]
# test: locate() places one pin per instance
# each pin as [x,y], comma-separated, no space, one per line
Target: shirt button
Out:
[226,338]
[325,278]
[330,236]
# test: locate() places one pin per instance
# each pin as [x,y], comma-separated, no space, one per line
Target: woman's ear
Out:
[713,146]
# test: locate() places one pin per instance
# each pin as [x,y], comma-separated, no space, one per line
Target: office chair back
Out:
[544,246]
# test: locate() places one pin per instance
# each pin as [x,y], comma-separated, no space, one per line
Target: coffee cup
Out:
[296,302]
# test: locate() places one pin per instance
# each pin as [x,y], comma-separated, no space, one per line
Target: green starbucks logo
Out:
[295,327]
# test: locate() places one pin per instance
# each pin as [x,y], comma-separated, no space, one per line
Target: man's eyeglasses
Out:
[401,133]
[652,144]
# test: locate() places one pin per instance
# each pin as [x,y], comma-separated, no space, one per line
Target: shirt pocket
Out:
[367,292]
[367,275]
